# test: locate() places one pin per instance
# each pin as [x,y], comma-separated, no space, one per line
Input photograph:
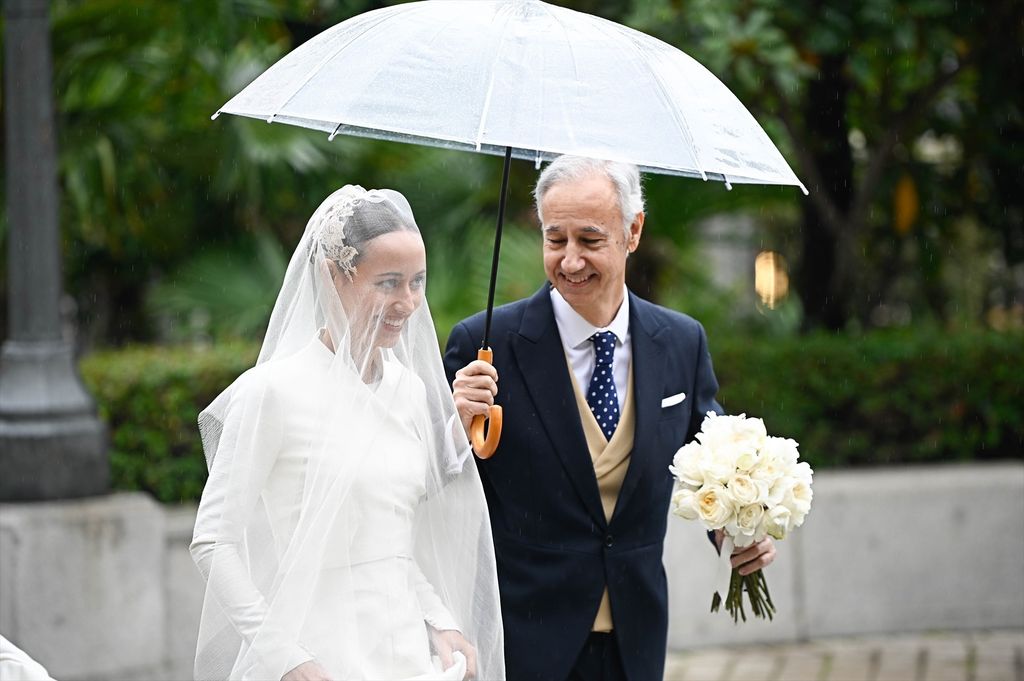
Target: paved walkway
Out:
[943,656]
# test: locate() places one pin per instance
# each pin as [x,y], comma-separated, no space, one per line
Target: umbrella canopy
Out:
[541,80]
[520,78]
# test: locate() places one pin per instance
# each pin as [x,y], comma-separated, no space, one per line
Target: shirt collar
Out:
[575,330]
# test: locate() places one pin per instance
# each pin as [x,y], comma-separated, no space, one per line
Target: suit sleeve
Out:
[705,390]
[705,387]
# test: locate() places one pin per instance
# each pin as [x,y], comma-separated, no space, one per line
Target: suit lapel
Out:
[541,359]
[648,376]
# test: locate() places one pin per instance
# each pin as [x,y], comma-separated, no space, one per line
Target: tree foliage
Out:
[903,118]
[878,399]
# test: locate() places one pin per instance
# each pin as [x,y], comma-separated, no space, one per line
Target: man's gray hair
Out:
[625,178]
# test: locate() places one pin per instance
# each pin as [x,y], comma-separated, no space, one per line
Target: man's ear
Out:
[635,230]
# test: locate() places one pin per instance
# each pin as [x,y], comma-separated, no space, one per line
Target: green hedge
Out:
[882,398]
[849,401]
[150,397]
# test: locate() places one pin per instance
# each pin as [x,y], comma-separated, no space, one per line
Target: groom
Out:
[599,390]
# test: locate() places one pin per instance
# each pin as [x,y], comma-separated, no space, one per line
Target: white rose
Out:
[747,458]
[684,503]
[746,525]
[688,465]
[797,495]
[751,432]
[803,494]
[782,450]
[719,468]
[735,441]
[776,522]
[716,432]
[767,470]
[734,429]
[744,490]
[779,489]
[714,506]
[801,471]
[697,464]
[798,501]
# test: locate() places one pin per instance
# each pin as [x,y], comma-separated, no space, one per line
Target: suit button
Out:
[608,541]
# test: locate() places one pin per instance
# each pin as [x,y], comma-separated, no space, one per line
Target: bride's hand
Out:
[446,642]
[307,671]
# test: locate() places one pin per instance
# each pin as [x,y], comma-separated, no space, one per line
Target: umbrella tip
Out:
[272,117]
[214,116]
[728,185]
[804,189]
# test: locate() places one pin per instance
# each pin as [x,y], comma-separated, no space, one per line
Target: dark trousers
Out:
[599,660]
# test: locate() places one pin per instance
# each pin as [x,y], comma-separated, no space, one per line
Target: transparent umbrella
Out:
[519,78]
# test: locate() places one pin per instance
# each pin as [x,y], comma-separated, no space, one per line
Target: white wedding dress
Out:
[343,521]
[369,603]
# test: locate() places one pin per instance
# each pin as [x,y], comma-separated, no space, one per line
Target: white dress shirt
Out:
[576,332]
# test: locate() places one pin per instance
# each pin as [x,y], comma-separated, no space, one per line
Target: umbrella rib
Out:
[323,62]
[553,12]
[677,116]
[681,125]
[490,88]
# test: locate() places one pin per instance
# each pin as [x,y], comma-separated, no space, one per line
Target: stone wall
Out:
[82,585]
[105,588]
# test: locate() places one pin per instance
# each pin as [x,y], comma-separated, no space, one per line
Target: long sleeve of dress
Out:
[246,454]
[434,612]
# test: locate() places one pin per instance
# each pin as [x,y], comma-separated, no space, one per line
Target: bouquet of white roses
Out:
[736,478]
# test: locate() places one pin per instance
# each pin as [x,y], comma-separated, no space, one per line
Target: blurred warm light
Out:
[770,278]
[1003,318]
[905,205]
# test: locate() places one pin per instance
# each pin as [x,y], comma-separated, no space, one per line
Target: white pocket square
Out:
[673,399]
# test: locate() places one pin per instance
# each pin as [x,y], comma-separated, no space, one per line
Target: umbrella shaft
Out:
[485,344]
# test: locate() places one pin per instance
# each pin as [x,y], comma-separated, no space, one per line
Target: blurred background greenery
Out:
[878,320]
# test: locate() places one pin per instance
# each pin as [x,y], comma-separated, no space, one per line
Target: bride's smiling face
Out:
[387,287]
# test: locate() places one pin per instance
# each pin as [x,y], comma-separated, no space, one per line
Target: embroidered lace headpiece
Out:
[332,235]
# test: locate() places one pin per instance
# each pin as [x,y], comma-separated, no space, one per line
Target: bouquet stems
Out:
[757,592]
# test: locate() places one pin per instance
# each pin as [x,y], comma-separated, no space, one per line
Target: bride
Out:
[343,531]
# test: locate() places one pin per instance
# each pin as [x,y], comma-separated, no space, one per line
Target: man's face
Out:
[585,246]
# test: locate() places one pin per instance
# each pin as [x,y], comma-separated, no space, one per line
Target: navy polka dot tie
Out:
[601,396]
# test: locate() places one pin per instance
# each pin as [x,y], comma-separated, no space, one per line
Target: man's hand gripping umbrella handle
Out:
[485,444]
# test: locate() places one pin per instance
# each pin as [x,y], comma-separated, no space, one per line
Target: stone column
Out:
[52,445]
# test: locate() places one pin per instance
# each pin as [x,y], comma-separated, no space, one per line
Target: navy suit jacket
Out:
[555,550]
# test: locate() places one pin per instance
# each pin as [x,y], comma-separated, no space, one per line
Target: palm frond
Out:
[230,293]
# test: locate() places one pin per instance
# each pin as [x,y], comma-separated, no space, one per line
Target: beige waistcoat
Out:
[611,459]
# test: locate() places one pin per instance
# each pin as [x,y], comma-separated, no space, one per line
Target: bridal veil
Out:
[344,521]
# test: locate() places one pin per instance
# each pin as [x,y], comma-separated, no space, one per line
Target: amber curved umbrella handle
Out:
[485,444]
